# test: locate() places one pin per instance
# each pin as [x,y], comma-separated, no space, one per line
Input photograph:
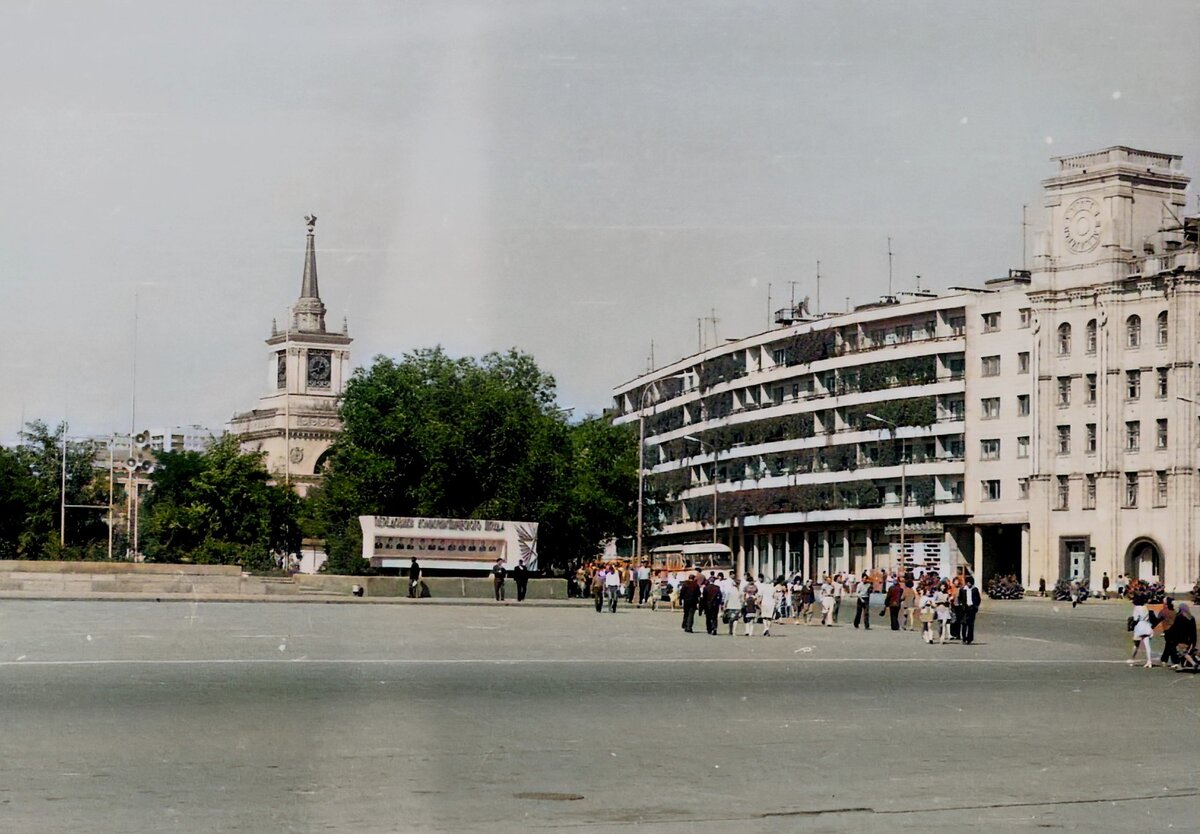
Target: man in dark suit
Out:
[689,596]
[711,602]
[968,604]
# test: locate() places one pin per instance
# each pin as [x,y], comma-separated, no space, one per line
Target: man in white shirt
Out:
[862,596]
[643,581]
[612,587]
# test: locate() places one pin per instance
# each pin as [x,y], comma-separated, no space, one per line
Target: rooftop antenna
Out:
[769,285]
[652,354]
[1024,248]
[818,288]
[918,283]
[699,334]
[890,253]
[847,304]
[713,320]
[793,283]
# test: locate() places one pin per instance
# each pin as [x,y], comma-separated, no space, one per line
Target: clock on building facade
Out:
[1081,225]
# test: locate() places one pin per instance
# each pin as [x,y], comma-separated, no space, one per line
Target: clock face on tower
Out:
[1081,225]
[318,369]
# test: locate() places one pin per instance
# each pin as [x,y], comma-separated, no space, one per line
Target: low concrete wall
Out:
[84,578]
[31,566]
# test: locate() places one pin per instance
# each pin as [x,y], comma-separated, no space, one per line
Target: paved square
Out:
[194,717]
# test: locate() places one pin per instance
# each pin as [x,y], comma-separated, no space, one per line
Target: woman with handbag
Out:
[750,605]
[927,616]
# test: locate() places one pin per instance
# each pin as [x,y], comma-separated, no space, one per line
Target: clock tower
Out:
[297,419]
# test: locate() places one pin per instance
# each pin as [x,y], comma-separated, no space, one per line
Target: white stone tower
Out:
[297,420]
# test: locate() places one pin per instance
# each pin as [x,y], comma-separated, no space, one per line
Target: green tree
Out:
[31,490]
[218,507]
[431,435]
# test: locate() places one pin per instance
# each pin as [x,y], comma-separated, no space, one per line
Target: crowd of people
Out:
[942,609]
[1005,587]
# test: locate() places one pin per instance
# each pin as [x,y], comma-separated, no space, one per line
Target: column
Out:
[1025,577]
[824,565]
[806,554]
[869,555]
[741,548]
[849,566]
[977,557]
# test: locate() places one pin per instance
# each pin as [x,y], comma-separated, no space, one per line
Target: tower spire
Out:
[308,315]
[308,286]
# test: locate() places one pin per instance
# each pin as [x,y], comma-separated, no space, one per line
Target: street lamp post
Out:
[642,458]
[702,443]
[903,490]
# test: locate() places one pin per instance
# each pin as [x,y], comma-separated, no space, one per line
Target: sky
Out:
[577,179]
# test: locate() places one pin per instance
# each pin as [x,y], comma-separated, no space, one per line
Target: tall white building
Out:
[307,368]
[1116,296]
[1047,422]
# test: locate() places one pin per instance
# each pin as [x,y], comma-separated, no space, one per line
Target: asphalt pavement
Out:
[140,717]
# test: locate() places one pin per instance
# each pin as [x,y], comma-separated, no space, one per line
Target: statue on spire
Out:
[311,220]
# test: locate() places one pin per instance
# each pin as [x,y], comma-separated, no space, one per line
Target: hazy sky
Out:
[571,178]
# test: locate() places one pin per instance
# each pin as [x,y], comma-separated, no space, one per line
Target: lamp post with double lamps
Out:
[642,457]
[903,490]
[703,444]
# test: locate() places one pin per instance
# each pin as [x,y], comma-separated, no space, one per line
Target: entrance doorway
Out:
[1143,560]
[1073,561]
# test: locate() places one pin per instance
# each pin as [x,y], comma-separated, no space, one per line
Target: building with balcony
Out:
[827,442]
[1046,424]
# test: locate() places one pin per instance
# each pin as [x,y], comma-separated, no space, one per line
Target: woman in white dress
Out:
[941,603]
[928,614]
[733,605]
[1143,629]
[770,598]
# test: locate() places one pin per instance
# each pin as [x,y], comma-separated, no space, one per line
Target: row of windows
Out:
[991,321]
[1133,437]
[1133,334]
[989,448]
[989,407]
[990,490]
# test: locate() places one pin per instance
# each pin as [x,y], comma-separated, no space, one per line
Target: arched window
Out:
[1133,331]
[1064,339]
[1090,336]
[1163,330]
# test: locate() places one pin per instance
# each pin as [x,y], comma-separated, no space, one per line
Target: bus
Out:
[673,558]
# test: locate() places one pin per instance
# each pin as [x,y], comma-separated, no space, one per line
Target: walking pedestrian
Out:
[1104,583]
[612,587]
[689,597]
[908,606]
[839,591]
[862,609]
[711,602]
[414,578]
[968,603]
[827,601]
[732,596]
[1181,634]
[942,612]
[928,614]
[499,572]
[892,601]
[770,601]
[1143,629]
[596,584]
[643,579]
[521,578]
[750,606]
